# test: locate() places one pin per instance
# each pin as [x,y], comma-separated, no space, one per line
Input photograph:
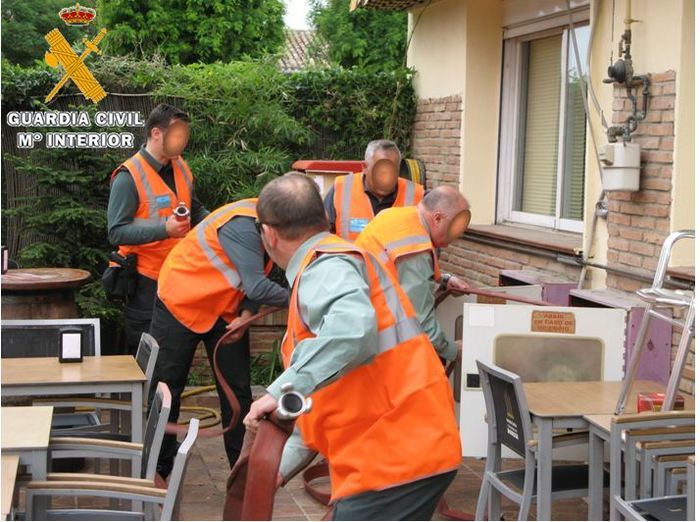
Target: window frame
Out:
[510,125]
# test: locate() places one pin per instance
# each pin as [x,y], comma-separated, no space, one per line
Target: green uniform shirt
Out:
[416,278]
[334,302]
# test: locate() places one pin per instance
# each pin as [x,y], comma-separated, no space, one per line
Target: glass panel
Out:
[575,130]
[539,126]
[537,358]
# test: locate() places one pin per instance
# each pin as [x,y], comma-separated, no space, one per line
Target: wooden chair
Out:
[509,425]
[627,504]
[143,491]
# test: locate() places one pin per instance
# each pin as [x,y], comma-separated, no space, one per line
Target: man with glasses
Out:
[213,280]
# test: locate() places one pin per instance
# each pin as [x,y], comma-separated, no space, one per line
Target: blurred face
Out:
[445,229]
[382,173]
[175,138]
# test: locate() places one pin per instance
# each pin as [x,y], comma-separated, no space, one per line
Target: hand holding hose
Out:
[238,327]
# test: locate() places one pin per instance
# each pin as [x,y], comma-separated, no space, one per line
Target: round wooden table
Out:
[41,293]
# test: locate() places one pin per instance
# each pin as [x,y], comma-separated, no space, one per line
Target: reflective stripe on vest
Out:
[347,200]
[398,232]
[154,217]
[156,203]
[229,273]
[198,282]
[404,328]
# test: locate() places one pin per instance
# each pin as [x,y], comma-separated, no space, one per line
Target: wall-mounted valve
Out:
[622,72]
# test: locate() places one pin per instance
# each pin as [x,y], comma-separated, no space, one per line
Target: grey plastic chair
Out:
[143,456]
[510,425]
[623,500]
[142,491]
[664,468]
[690,487]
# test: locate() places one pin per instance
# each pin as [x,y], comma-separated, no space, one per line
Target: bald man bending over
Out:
[406,241]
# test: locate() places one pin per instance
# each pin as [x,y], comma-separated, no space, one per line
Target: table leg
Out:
[595,476]
[39,461]
[136,424]
[137,413]
[544,468]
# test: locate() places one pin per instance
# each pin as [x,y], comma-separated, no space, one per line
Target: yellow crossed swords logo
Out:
[74,65]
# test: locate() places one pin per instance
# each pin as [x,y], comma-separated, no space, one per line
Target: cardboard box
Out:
[647,401]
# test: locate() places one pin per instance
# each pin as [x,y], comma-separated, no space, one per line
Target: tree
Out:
[24,24]
[193,31]
[373,40]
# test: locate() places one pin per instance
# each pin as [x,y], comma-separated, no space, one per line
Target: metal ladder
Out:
[659,297]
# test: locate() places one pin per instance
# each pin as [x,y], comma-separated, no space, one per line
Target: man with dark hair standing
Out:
[355,345]
[145,190]
[355,199]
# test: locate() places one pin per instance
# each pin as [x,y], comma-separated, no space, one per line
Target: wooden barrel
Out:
[41,293]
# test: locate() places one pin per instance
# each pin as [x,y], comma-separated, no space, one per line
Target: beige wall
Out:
[437,48]
[683,191]
[481,108]
[456,50]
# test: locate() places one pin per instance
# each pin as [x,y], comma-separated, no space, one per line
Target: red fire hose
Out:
[258,464]
[181,429]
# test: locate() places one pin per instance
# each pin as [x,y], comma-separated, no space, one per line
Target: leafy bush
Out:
[345,108]
[193,31]
[24,24]
[373,40]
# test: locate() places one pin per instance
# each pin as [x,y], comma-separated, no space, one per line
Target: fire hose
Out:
[251,486]
[174,428]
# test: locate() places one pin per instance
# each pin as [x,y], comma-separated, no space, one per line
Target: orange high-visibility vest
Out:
[156,204]
[198,282]
[389,421]
[398,232]
[353,209]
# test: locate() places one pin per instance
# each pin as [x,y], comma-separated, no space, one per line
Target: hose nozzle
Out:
[181,212]
[292,404]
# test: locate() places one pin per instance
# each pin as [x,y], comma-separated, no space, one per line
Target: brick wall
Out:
[437,141]
[638,222]
[481,264]
[437,138]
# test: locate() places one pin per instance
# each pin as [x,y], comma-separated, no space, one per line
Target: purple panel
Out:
[656,357]
[655,364]
[554,290]
[557,293]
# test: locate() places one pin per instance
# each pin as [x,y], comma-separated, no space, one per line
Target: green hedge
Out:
[249,123]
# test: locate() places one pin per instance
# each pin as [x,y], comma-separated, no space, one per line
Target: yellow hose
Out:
[211,416]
